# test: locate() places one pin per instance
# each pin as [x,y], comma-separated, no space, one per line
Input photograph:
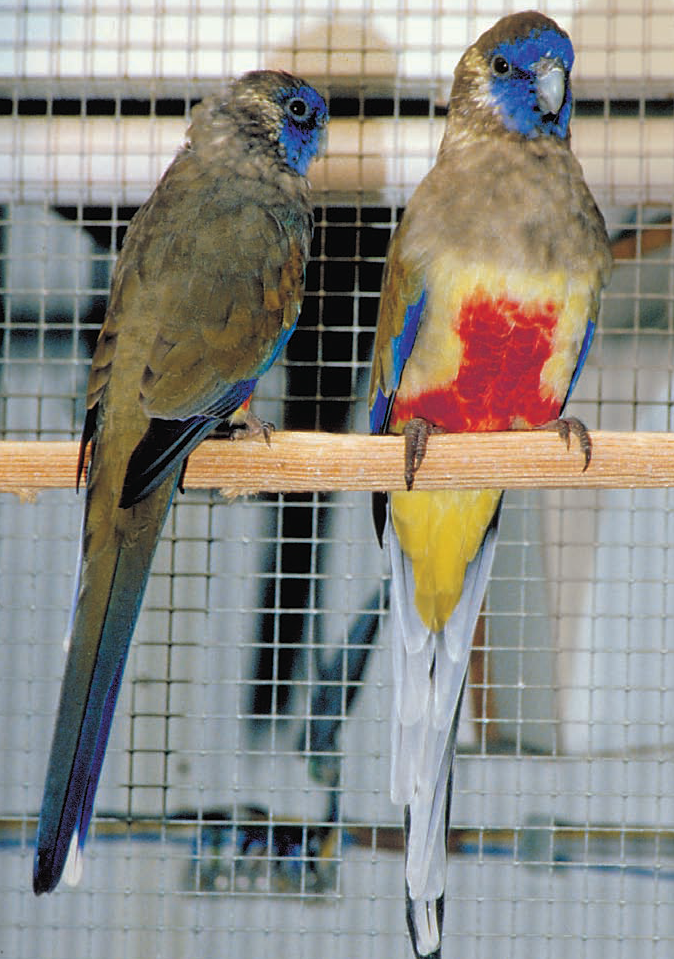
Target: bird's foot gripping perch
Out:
[416,432]
[246,426]
[567,425]
[242,426]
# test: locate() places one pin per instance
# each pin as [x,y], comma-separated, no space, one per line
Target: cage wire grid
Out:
[244,806]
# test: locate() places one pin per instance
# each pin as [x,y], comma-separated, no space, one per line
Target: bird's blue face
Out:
[529,81]
[304,126]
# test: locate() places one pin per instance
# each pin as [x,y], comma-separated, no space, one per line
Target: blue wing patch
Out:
[582,356]
[401,347]
[168,443]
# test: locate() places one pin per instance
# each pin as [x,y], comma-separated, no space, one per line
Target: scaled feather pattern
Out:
[489,300]
[206,293]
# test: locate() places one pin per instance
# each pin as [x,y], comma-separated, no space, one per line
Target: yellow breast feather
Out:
[437,354]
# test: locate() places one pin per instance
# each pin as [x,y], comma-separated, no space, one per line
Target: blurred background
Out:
[244,807]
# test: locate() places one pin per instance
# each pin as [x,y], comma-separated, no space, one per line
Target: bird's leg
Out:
[416,432]
[249,425]
[243,425]
[567,425]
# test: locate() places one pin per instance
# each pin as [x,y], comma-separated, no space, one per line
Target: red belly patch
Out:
[505,345]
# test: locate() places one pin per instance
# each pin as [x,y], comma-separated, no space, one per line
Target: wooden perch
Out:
[302,462]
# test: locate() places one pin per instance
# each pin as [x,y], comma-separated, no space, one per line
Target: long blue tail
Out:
[99,644]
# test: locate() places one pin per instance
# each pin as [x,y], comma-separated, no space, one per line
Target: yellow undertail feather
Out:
[441,531]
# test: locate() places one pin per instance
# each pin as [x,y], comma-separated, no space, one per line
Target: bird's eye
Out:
[297,108]
[500,66]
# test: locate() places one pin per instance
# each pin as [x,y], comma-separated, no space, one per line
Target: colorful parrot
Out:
[489,300]
[206,294]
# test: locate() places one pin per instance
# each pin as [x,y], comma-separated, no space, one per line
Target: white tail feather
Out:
[74,867]
[425,851]
[429,670]
[405,741]
[425,921]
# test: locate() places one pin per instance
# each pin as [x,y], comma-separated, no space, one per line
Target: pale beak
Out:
[322,143]
[550,85]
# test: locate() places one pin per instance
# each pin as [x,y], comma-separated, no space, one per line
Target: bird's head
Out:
[277,110]
[517,75]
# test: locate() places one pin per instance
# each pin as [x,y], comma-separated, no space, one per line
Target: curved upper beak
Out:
[550,85]
[322,145]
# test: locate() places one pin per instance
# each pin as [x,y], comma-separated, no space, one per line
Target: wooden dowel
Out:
[302,462]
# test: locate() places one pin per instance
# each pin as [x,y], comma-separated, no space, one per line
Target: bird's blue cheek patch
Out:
[302,140]
[516,94]
[297,145]
[516,99]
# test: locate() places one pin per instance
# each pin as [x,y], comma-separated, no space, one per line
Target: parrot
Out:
[489,300]
[206,293]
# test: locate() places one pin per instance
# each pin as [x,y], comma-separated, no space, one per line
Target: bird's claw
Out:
[564,427]
[246,428]
[416,432]
[254,427]
[181,479]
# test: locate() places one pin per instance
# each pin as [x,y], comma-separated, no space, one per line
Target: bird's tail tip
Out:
[425,869]
[424,921]
[47,873]
[40,881]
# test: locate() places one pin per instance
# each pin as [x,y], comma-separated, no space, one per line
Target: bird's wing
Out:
[221,326]
[401,311]
[225,324]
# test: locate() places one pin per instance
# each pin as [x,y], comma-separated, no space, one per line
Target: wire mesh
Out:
[244,803]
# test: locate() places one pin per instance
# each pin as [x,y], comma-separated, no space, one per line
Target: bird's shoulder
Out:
[195,197]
